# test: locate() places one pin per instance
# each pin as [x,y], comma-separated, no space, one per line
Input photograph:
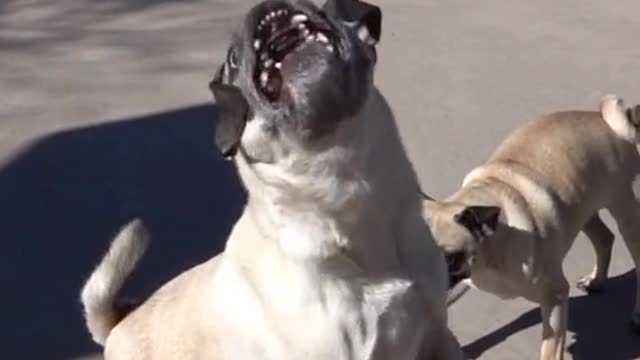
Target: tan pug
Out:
[512,222]
[331,258]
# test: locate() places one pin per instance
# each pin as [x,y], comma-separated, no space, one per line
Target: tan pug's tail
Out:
[98,297]
[625,122]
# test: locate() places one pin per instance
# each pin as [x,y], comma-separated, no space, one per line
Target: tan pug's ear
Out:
[481,221]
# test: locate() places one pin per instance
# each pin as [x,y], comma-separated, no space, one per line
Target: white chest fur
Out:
[305,313]
[313,269]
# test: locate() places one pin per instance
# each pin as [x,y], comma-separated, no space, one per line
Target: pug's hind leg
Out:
[602,240]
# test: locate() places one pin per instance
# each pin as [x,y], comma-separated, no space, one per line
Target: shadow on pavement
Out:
[139,5]
[65,196]
[599,322]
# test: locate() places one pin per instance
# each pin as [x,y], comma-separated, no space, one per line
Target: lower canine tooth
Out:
[264,78]
[278,65]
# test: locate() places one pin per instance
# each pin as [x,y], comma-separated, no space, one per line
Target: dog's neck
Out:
[337,202]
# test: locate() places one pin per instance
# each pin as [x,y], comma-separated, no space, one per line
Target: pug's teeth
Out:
[267,63]
[281,12]
[299,18]
[264,78]
[301,26]
[322,38]
[264,56]
[278,65]
[256,44]
[306,33]
[271,15]
[330,48]
[309,38]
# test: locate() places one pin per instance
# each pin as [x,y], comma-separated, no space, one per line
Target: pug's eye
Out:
[232,59]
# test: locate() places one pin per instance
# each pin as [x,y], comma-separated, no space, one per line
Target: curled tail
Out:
[98,297]
[625,122]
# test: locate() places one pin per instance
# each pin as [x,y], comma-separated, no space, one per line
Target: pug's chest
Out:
[379,321]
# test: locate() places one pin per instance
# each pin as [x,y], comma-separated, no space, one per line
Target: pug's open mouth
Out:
[279,33]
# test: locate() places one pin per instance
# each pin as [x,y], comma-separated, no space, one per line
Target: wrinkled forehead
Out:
[444,224]
[441,212]
[445,229]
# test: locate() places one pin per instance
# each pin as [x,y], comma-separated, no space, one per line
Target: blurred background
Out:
[105,115]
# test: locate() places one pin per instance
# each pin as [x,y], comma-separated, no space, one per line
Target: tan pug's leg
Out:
[554,308]
[602,240]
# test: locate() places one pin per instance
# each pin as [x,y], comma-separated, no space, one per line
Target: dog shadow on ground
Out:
[600,324]
[64,197]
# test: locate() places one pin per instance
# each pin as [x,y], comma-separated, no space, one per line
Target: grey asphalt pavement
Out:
[105,115]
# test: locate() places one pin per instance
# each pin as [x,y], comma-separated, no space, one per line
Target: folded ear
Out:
[233,111]
[366,18]
[481,221]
